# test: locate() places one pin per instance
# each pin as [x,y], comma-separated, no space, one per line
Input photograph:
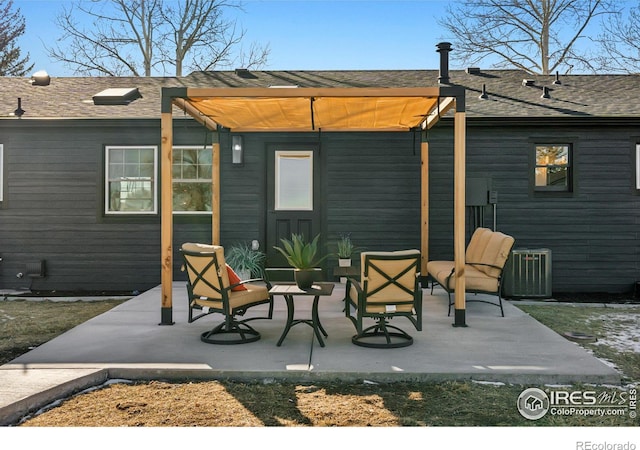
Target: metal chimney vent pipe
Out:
[545,92]
[484,95]
[557,80]
[444,48]
[19,112]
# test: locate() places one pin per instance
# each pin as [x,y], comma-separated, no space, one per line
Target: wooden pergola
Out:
[287,109]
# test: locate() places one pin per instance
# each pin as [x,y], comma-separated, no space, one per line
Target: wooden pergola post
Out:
[424,211]
[166,212]
[459,174]
[215,190]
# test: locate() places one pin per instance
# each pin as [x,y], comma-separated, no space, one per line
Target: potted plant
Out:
[245,261]
[303,257]
[345,250]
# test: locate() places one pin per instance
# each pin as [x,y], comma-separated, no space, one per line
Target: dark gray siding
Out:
[593,232]
[373,189]
[370,188]
[53,206]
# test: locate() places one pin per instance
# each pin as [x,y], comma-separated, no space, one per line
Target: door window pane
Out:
[294,180]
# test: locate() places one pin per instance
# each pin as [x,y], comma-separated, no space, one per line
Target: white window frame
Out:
[307,154]
[154,209]
[193,147]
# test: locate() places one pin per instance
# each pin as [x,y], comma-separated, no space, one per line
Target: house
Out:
[550,160]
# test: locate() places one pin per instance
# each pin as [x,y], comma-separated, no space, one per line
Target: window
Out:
[131,180]
[553,167]
[294,180]
[192,179]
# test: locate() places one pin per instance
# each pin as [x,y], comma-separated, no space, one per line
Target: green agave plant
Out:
[301,254]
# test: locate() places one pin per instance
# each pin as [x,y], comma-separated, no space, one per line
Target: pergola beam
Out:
[443,106]
[193,112]
[291,92]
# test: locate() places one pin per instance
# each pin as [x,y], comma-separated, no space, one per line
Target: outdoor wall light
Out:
[237,157]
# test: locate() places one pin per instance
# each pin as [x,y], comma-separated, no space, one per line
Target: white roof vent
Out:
[40,78]
[116,96]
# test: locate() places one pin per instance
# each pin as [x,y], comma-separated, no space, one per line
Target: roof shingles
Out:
[576,96]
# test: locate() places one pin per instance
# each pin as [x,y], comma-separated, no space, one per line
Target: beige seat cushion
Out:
[495,253]
[474,279]
[237,299]
[477,244]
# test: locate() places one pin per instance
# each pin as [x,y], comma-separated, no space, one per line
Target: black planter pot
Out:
[304,278]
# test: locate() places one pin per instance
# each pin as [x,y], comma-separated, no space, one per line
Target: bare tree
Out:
[199,28]
[620,41]
[12,26]
[145,37]
[537,36]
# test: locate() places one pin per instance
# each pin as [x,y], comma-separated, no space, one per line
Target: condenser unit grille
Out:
[527,274]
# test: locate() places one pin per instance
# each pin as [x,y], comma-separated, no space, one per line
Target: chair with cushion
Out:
[485,258]
[213,287]
[388,288]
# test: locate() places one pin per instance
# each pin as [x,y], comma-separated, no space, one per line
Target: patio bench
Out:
[485,258]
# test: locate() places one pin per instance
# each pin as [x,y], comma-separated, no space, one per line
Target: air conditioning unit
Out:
[527,274]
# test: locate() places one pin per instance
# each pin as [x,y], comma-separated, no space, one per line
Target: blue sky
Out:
[302,35]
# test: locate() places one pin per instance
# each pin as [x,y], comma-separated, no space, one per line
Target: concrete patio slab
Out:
[128,342]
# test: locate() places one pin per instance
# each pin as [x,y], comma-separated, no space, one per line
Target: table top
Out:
[318,288]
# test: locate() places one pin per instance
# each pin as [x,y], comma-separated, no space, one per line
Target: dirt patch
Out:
[225,403]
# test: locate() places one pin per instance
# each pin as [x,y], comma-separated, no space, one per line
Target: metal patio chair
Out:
[213,287]
[388,288]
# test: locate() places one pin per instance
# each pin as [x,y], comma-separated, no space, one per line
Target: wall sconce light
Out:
[237,156]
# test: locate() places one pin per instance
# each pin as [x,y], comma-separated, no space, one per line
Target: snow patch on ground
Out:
[621,332]
[4,317]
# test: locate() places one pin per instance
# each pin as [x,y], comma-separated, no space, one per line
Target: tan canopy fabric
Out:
[310,109]
[310,113]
